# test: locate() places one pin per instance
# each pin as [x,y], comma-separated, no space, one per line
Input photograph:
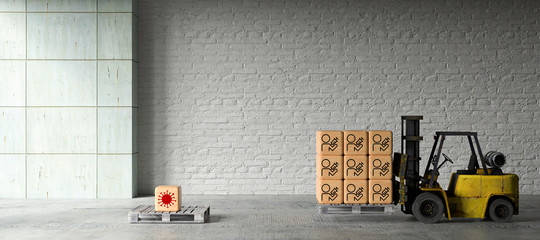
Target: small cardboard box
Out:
[329,191]
[355,167]
[380,167]
[168,198]
[329,167]
[380,142]
[356,191]
[330,143]
[355,142]
[380,191]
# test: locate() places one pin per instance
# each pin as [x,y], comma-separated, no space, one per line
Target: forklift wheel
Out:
[428,208]
[501,210]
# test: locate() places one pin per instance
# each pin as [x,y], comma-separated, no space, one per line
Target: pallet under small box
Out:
[187,214]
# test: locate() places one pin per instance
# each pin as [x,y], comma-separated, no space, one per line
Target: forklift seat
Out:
[471,169]
[453,180]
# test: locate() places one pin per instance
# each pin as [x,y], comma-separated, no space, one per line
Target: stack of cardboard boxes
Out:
[354,167]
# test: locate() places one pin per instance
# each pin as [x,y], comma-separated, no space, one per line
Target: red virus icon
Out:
[166,199]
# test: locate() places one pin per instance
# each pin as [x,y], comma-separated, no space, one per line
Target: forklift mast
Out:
[410,140]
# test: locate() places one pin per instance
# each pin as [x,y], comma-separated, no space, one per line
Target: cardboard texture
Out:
[380,143]
[355,167]
[356,191]
[330,143]
[380,167]
[355,143]
[329,167]
[329,191]
[380,191]
[168,198]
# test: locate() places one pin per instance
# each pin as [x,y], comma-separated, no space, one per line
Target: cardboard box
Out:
[355,143]
[380,167]
[329,167]
[355,167]
[356,191]
[380,143]
[380,191]
[330,143]
[329,191]
[168,198]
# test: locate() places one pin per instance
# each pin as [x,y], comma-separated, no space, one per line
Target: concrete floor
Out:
[245,217]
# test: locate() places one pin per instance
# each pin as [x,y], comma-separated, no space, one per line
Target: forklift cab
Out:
[433,166]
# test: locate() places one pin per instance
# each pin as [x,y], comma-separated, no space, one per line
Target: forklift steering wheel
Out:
[447,158]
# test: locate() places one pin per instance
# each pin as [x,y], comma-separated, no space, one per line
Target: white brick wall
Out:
[232,92]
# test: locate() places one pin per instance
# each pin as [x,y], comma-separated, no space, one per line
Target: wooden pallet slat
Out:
[139,208]
[188,214]
[142,208]
[148,209]
[190,209]
[199,210]
[186,209]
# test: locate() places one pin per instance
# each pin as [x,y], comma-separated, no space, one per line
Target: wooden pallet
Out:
[387,209]
[187,214]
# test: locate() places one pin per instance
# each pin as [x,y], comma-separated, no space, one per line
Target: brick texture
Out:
[231,93]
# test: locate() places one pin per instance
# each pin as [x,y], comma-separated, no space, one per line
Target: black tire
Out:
[428,208]
[487,217]
[501,210]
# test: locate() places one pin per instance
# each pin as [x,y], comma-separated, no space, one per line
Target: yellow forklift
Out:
[476,192]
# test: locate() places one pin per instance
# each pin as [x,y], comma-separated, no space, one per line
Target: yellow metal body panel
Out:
[471,193]
[443,194]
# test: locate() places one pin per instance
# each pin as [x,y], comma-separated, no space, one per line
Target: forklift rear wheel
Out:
[428,208]
[501,210]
